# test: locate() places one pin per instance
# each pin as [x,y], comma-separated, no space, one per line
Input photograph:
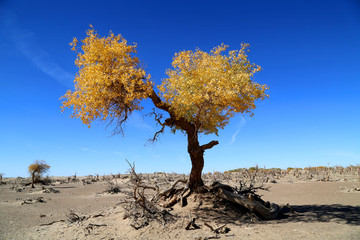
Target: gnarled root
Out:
[175,195]
[266,210]
[167,192]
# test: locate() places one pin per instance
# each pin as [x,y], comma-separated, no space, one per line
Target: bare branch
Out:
[209,145]
[158,117]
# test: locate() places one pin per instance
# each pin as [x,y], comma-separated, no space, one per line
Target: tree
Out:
[36,170]
[199,96]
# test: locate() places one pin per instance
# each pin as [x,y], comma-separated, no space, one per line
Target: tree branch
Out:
[209,145]
[158,118]
[159,103]
[173,120]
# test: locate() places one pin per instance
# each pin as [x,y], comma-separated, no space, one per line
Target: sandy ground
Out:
[319,210]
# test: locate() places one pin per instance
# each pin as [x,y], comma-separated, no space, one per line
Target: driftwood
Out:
[266,210]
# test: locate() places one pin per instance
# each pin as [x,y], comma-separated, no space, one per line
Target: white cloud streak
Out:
[239,126]
[26,42]
[121,154]
[85,149]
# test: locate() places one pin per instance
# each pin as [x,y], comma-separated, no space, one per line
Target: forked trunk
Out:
[197,160]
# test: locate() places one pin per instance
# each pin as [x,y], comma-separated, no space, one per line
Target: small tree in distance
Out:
[36,170]
[202,92]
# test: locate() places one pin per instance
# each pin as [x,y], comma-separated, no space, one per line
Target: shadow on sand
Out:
[336,213]
[322,213]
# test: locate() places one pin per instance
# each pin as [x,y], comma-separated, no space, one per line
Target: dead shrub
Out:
[139,207]
[112,188]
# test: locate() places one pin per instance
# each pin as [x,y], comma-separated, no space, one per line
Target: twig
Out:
[51,223]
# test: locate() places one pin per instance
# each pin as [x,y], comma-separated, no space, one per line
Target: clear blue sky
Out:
[309,52]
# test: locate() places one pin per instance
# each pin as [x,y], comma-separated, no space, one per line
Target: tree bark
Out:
[32,179]
[197,161]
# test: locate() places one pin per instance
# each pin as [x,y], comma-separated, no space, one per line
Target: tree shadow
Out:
[342,214]
[337,213]
[224,212]
[220,216]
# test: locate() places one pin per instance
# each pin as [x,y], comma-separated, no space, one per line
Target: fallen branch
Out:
[222,229]
[268,211]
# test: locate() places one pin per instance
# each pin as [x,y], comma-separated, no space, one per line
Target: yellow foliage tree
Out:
[37,169]
[202,92]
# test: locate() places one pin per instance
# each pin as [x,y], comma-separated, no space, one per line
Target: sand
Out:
[318,210]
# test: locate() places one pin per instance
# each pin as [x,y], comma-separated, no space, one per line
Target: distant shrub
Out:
[36,170]
[275,169]
[253,169]
[112,188]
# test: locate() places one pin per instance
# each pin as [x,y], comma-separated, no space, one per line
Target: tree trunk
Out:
[197,160]
[32,179]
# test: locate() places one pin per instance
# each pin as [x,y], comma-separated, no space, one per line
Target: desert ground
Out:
[316,203]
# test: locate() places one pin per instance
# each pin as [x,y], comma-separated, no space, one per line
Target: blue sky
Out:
[309,52]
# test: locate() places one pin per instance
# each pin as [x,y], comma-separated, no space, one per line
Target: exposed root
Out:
[175,196]
[192,225]
[146,203]
[243,196]
[167,192]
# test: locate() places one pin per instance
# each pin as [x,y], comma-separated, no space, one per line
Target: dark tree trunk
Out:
[32,179]
[197,161]
[194,149]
